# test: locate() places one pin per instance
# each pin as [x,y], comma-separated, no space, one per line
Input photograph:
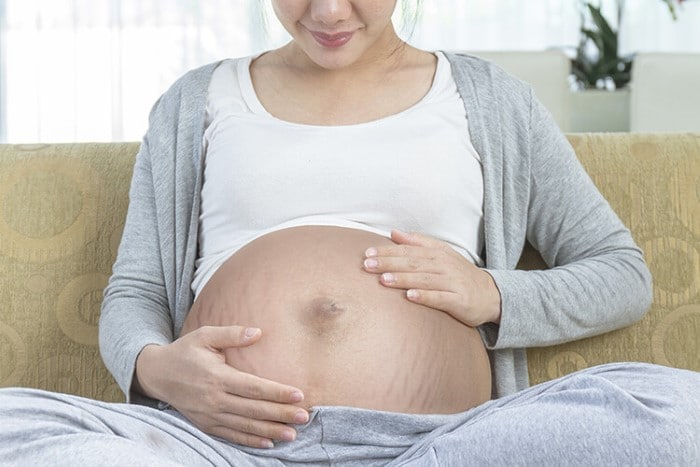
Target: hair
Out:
[410,15]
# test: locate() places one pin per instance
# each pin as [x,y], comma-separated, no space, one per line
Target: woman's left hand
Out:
[435,275]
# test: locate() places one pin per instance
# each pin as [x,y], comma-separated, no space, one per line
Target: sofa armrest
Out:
[653,183]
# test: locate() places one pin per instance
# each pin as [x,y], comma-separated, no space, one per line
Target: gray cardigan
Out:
[535,190]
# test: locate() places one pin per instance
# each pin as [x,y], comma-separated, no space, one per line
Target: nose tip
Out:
[330,11]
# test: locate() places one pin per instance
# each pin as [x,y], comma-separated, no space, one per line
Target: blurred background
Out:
[90,70]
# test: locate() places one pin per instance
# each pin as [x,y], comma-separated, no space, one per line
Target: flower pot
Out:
[594,110]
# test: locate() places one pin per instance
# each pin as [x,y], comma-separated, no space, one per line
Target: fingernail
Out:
[289,435]
[412,294]
[388,278]
[371,263]
[267,444]
[296,396]
[301,416]
[251,332]
[371,252]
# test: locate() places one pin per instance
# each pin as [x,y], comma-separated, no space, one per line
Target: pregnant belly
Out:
[332,330]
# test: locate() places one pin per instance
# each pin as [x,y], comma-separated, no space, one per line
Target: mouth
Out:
[332,41]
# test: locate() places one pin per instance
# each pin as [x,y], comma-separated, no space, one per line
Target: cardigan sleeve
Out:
[597,279]
[135,311]
[149,293]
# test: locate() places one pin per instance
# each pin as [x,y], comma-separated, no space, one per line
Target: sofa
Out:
[62,210]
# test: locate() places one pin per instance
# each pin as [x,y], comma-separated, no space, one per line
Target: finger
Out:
[223,337]
[427,249]
[253,387]
[438,299]
[403,264]
[417,239]
[419,280]
[264,410]
[261,428]
[253,433]
[244,439]
[401,251]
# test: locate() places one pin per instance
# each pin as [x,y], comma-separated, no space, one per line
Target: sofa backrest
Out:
[664,94]
[62,210]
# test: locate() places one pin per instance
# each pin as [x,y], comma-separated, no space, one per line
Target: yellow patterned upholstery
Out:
[653,183]
[62,210]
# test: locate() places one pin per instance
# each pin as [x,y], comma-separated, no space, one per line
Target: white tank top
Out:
[414,171]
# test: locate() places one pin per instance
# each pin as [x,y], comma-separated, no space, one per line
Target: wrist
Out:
[143,371]
[492,299]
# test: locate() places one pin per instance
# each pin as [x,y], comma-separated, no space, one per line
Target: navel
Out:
[325,316]
[325,308]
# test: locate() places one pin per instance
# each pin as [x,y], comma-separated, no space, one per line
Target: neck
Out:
[387,54]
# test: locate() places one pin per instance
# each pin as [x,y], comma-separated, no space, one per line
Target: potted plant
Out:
[598,63]
[672,6]
[600,74]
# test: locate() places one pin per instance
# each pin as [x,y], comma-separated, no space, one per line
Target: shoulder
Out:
[496,102]
[486,76]
[191,86]
[178,116]
[184,101]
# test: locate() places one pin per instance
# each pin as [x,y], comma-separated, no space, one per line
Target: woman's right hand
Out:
[191,374]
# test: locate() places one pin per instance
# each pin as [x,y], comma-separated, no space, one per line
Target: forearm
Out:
[596,278]
[572,302]
[135,310]
[122,338]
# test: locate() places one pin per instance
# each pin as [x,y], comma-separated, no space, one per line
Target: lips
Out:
[332,40]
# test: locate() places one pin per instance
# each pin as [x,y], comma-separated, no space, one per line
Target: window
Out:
[89,70]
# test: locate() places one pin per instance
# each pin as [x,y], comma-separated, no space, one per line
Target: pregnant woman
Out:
[318,267]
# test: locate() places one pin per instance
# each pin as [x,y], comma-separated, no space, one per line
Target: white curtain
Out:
[77,70]
[89,70]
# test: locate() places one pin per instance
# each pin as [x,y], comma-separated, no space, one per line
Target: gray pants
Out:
[618,414]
